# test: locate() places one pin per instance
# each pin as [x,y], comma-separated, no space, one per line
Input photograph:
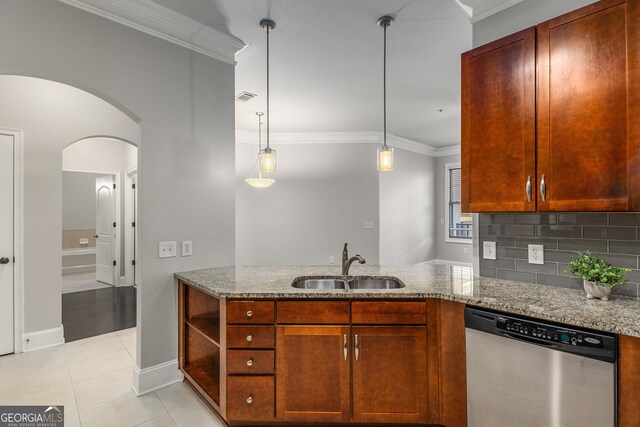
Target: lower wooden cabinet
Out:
[250,398]
[390,374]
[312,373]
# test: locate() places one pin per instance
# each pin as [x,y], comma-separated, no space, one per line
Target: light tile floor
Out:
[76,282]
[92,378]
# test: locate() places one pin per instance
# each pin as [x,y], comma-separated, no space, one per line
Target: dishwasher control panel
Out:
[549,333]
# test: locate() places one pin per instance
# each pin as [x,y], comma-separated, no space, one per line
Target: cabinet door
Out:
[589,109]
[390,374]
[498,125]
[312,373]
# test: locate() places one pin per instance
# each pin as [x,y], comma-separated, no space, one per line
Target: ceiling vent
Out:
[245,96]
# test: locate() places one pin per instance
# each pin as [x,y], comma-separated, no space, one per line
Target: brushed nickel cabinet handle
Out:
[357,348]
[344,348]
[249,338]
[543,189]
[249,313]
[528,189]
[250,362]
[250,400]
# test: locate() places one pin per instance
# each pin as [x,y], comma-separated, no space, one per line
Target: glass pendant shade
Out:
[385,159]
[260,182]
[268,161]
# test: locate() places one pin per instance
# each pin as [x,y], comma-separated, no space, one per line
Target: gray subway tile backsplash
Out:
[613,236]
[611,233]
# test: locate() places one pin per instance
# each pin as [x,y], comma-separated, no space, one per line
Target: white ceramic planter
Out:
[595,291]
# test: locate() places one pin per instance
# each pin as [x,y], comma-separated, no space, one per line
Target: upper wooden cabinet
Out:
[589,109]
[498,125]
[582,137]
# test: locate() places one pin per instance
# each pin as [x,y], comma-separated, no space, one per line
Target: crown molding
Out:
[247,137]
[481,9]
[166,24]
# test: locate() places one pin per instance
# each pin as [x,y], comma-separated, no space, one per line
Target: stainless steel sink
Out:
[375,284]
[320,284]
[347,283]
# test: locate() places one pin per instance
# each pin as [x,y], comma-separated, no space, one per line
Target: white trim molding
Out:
[447,262]
[166,24]
[348,138]
[155,377]
[42,339]
[481,9]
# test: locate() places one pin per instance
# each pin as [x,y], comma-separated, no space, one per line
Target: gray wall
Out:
[186,158]
[322,196]
[407,210]
[521,16]
[611,236]
[444,250]
[79,200]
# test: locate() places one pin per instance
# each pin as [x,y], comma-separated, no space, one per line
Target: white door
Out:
[6,244]
[105,230]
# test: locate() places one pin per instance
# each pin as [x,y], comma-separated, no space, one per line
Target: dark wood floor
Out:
[99,311]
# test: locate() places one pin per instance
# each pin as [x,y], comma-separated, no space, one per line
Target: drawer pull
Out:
[250,400]
[249,313]
[249,338]
[250,362]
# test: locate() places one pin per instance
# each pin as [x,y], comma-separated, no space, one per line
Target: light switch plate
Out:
[369,224]
[489,250]
[536,254]
[187,248]
[166,249]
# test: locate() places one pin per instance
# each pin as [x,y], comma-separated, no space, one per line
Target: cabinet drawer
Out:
[250,361]
[313,312]
[250,336]
[389,313]
[250,398]
[250,312]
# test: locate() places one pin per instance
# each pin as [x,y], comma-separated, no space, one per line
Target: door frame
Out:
[117,217]
[130,234]
[18,237]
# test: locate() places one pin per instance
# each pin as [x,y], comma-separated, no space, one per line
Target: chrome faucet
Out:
[346,261]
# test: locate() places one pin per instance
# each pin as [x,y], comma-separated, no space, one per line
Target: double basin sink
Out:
[345,283]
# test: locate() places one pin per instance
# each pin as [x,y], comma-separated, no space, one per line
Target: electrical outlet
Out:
[166,249]
[332,260]
[401,255]
[187,248]
[465,251]
[489,250]
[536,254]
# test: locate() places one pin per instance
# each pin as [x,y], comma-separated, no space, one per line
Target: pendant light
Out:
[385,153]
[260,181]
[268,156]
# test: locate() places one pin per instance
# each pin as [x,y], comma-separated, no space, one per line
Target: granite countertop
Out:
[619,315]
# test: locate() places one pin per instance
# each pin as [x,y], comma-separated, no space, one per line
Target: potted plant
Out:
[598,276]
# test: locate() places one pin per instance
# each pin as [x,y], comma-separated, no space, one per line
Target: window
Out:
[458,223]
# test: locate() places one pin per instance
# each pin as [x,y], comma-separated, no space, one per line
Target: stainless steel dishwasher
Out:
[528,373]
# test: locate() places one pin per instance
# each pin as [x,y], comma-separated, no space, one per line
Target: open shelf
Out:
[207,378]
[209,328]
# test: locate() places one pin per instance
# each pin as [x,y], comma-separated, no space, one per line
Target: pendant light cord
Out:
[384,86]
[267,88]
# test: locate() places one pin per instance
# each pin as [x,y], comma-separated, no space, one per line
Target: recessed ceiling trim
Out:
[248,137]
[164,23]
[481,9]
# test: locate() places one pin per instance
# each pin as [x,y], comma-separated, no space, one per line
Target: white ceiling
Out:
[326,63]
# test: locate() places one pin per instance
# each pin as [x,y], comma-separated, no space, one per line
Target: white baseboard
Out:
[155,377]
[42,339]
[447,262]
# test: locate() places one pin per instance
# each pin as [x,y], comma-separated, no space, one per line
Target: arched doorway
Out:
[48,116]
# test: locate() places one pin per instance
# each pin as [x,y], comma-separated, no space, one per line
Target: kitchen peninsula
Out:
[261,351]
